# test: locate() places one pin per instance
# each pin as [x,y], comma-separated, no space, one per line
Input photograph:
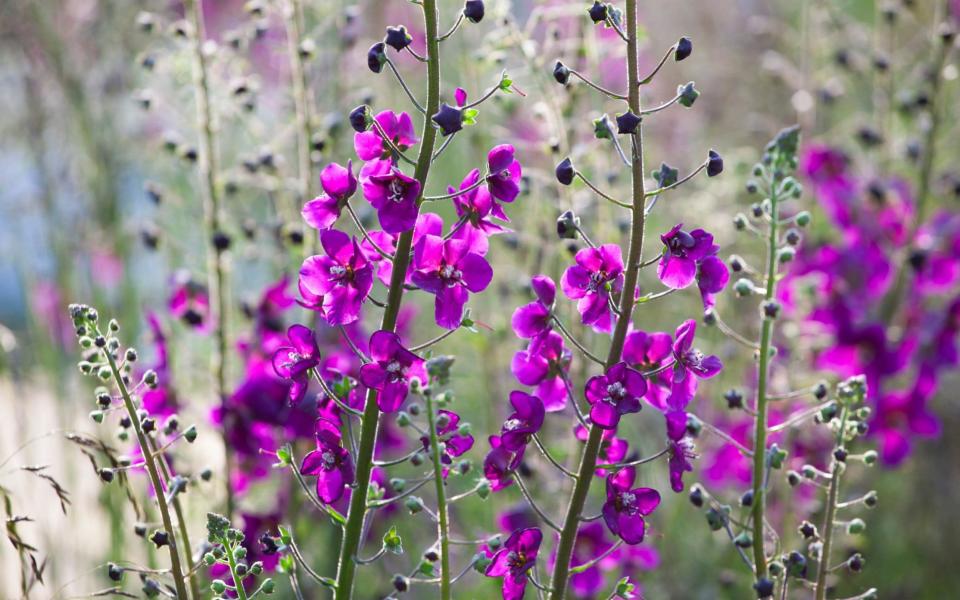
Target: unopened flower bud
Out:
[684,49]
[740,221]
[160,538]
[598,12]
[747,498]
[473,10]
[743,287]
[561,73]
[568,225]
[688,94]
[856,526]
[870,457]
[413,504]
[360,118]
[696,495]
[376,57]
[714,164]
[565,171]
[734,398]
[771,309]
[628,122]
[763,587]
[870,500]
[106,475]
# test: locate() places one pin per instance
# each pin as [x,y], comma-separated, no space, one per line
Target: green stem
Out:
[207,167]
[301,103]
[442,527]
[760,432]
[154,473]
[237,580]
[181,523]
[588,461]
[346,567]
[831,515]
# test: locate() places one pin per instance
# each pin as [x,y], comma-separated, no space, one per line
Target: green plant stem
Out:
[442,526]
[237,581]
[216,275]
[760,427]
[154,473]
[831,514]
[301,102]
[181,522]
[588,460]
[346,567]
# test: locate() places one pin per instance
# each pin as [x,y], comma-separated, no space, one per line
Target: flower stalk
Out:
[442,513]
[832,495]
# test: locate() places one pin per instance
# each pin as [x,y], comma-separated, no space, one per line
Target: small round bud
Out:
[416,460]
[870,457]
[148,425]
[743,287]
[855,563]
[206,474]
[752,187]
[856,526]
[763,587]
[565,171]
[268,586]
[756,209]
[793,236]
[561,73]
[360,118]
[747,498]
[740,221]
[403,419]
[104,373]
[431,556]
[114,572]
[221,241]
[840,454]
[736,263]
[398,484]
[684,49]
[870,500]
[598,12]
[140,529]
[413,504]
[734,398]
[376,57]
[802,219]
[771,309]
[97,416]
[106,475]
[401,583]
[714,164]
[568,225]
[473,10]
[808,530]
[218,586]
[190,434]
[787,254]
[160,538]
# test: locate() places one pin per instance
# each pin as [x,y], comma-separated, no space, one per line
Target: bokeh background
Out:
[99,204]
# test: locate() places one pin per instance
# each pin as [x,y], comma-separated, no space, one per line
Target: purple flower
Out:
[338,184]
[683,252]
[591,542]
[190,302]
[330,463]
[392,193]
[612,448]
[391,370]
[534,320]
[449,270]
[294,362]
[647,352]
[625,507]
[504,178]
[544,365]
[712,277]
[689,365]
[398,127]
[479,210]
[342,278]
[500,463]
[614,394]
[524,422]
[454,443]
[597,274]
[681,453]
[518,555]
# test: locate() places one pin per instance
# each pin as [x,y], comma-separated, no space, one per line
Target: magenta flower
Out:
[399,127]
[392,193]
[692,256]
[545,365]
[479,210]
[534,320]
[448,270]
[597,275]
[518,555]
[330,463]
[391,370]
[712,277]
[500,463]
[681,453]
[342,278]
[626,507]
[648,352]
[689,365]
[190,302]
[591,542]
[454,443]
[504,178]
[524,422]
[612,449]
[294,362]
[614,394]
[427,224]
[339,184]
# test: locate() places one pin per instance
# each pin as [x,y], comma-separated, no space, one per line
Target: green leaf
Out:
[284,456]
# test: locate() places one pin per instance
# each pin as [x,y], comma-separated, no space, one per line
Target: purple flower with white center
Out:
[398,127]
[545,365]
[533,321]
[500,463]
[392,193]
[518,555]
[294,362]
[626,506]
[597,275]
[391,370]
[330,463]
[689,365]
[712,277]
[342,278]
[449,270]
[678,266]
[523,423]
[614,394]
[504,178]
[647,353]
[681,453]
[448,433]
[478,209]
[339,184]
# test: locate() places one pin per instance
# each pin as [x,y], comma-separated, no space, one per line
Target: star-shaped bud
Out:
[449,119]
[627,123]
[397,38]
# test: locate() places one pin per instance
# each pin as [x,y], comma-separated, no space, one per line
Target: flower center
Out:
[615,393]
[450,274]
[596,281]
[512,424]
[516,559]
[394,371]
[396,189]
[627,502]
[329,460]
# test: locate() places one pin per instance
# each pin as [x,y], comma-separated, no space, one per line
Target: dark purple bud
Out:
[598,12]
[808,530]
[771,308]
[666,176]
[855,563]
[688,94]
[221,241]
[376,57]
[449,119]
[561,73]
[747,498]
[565,171]
[820,392]
[627,123]
[840,454]
[567,225]
[360,118]
[734,398]
[397,38]
[764,587]
[714,164]
[473,10]
[160,538]
[696,496]
[684,48]
[401,583]
[106,475]
[114,572]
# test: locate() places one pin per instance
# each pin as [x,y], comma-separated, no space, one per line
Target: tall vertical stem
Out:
[831,514]
[442,527]
[207,165]
[760,432]
[346,567]
[588,460]
[298,80]
[150,460]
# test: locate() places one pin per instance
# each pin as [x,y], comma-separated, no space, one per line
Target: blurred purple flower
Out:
[295,362]
[518,555]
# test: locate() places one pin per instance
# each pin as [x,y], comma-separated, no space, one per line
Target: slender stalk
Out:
[216,275]
[237,581]
[346,568]
[831,515]
[760,432]
[181,523]
[154,473]
[588,461]
[298,81]
[442,526]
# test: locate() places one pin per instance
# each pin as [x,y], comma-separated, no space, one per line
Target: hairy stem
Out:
[346,567]
[207,165]
[181,523]
[828,519]
[442,526]
[588,461]
[298,81]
